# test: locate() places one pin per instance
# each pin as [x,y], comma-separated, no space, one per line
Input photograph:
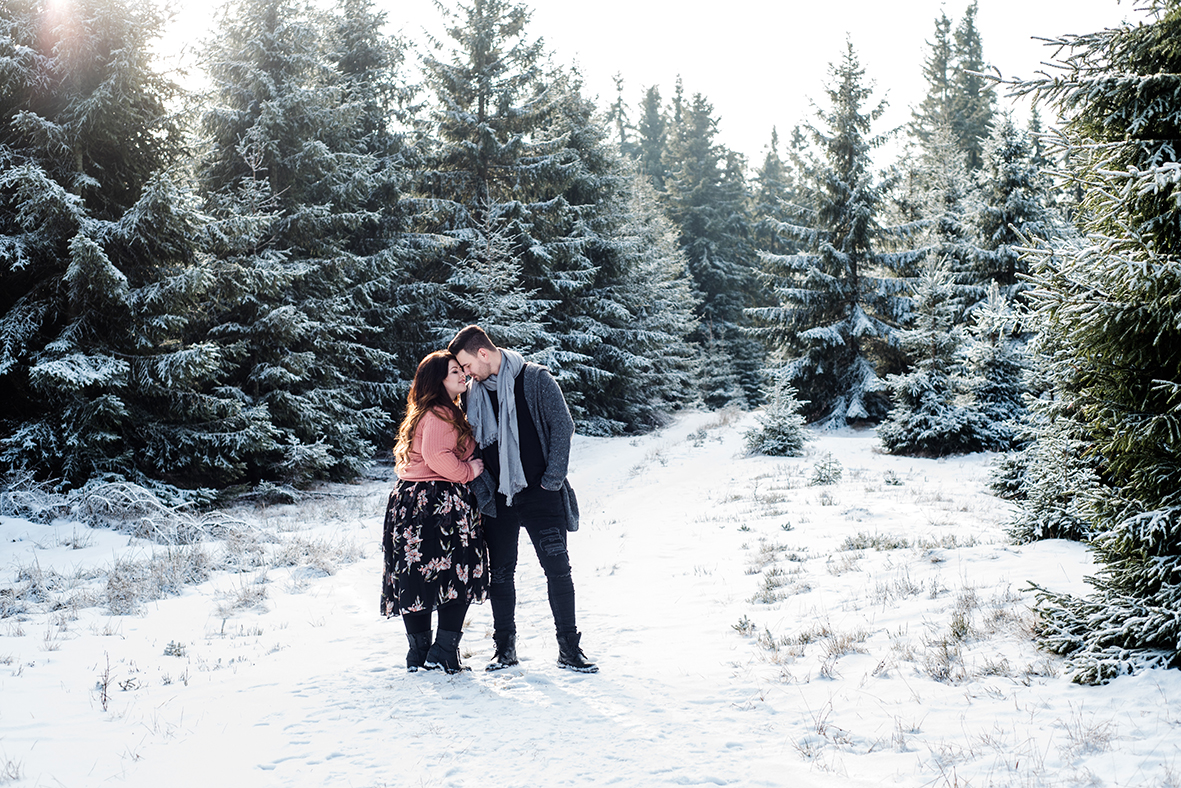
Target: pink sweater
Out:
[434,455]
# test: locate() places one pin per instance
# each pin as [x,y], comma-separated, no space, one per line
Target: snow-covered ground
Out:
[753,629]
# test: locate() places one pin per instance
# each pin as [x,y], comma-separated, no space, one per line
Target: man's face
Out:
[478,365]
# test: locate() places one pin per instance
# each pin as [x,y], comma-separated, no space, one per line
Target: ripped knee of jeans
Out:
[552,543]
[501,574]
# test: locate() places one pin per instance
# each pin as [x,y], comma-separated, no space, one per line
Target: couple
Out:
[453,521]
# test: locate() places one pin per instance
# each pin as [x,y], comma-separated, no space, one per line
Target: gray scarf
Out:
[501,427]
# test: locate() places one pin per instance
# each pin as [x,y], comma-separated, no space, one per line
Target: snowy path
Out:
[311,689]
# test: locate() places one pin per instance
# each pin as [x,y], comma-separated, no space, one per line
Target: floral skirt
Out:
[434,548]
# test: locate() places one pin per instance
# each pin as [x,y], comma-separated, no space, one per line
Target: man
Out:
[523,427]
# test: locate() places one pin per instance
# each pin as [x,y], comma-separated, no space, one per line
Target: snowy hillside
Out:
[758,622]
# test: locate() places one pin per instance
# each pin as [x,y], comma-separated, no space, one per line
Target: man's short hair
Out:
[469,340]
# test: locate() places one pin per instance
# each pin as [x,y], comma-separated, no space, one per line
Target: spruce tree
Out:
[1009,213]
[774,198]
[653,137]
[944,195]
[928,417]
[390,293]
[939,69]
[519,148]
[1113,304]
[996,366]
[781,430]
[619,120]
[648,333]
[838,304]
[99,274]
[291,166]
[972,99]
[706,195]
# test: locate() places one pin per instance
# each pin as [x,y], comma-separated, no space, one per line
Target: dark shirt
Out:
[532,459]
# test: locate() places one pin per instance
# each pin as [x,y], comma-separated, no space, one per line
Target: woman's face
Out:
[456,382]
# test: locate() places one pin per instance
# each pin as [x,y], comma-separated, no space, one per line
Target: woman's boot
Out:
[420,644]
[445,652]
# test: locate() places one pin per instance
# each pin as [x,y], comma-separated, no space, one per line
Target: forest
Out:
[226,292]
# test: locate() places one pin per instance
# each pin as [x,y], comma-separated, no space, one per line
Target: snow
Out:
[752,630]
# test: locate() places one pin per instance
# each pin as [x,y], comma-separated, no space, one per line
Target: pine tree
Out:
[647,332]
[944,195]
[781,426]
[972,102]
[618,119]
[390,293]
[1010,211]
[1053,474]
[774,198]
[717,380]
[485,288]
[838,305]
[996,367]
[705,191]
[653,137]
[1113,304]
[99,271]
[929,417]
[288,177]
[939,69]
[521,149]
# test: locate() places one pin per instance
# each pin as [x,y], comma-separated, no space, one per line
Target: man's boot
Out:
[506,651]
[420,644]
[444,653]
[570,656]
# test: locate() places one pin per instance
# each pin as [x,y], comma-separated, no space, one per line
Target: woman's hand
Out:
[477,466]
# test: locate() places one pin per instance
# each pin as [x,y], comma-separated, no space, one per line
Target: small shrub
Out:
[864,541]
[828,470]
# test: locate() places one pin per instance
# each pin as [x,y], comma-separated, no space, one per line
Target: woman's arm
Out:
[440,452]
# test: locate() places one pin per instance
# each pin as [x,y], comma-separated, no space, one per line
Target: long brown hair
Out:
[427,393]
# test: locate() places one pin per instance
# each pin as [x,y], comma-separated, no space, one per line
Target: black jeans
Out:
[541,514]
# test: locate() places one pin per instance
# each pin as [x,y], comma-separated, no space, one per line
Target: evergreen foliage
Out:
[958,97]
[653,133]
[781,430]
[293,160]
[519,158]
[1112,305]
[98,270]
[774,196]
[972,100]
[838,304]
[939,69]
[1010,211]
[929,417]
[706,196]
[653,329]
[717,380]
[996,365]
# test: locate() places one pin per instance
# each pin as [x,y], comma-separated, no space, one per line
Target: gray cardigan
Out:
[555,428]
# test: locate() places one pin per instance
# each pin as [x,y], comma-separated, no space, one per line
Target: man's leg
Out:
[542,516]
[501,534]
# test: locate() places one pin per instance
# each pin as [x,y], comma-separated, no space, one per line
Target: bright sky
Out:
[761,62]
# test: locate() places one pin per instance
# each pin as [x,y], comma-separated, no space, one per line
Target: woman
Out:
[435,557]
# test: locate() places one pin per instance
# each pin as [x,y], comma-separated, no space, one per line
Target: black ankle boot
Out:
[445,652]
[506,651]
[420,643]
[570,656]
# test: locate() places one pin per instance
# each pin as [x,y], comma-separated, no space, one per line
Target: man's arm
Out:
[559,429]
